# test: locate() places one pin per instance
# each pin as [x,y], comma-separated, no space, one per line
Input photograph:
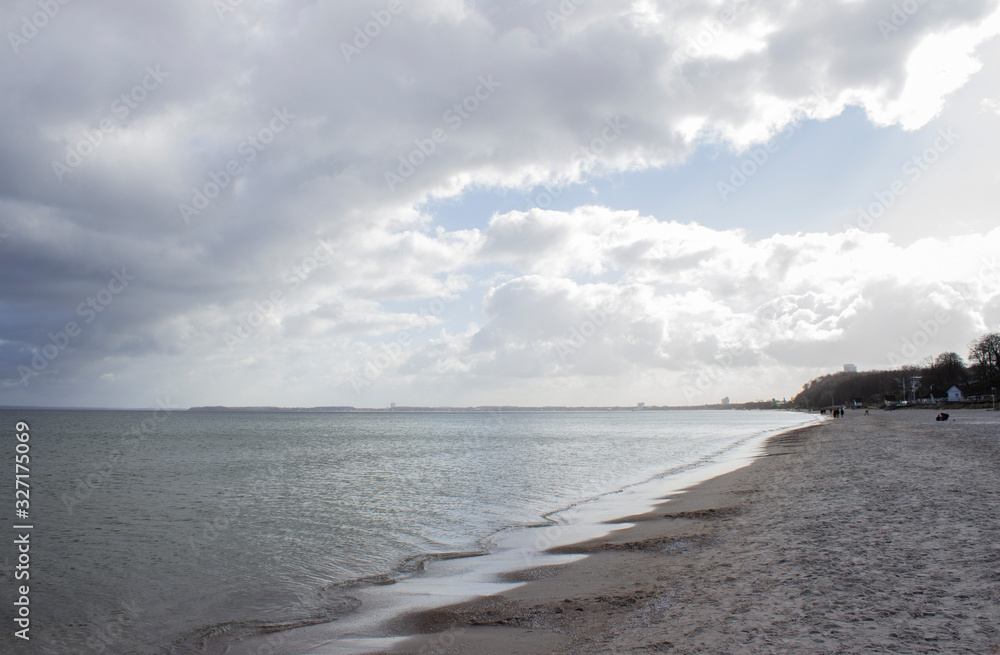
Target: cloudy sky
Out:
[296,202]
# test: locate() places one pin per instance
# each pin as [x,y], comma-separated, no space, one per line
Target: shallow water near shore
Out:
[192,531]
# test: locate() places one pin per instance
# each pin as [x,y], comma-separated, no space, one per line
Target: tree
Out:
[948,369]
[984,353]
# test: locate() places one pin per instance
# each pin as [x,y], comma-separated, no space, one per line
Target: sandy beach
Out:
[867,534]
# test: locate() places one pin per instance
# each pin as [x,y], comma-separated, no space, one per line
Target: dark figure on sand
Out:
[941,417]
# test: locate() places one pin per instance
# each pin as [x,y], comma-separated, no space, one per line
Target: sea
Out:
[194,532]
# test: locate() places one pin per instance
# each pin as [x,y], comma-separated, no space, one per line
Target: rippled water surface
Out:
[155,530]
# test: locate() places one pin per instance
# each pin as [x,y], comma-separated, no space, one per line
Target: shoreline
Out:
[486,624]
[507,553]
[861,534]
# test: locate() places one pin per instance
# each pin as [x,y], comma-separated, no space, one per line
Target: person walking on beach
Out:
[866,411]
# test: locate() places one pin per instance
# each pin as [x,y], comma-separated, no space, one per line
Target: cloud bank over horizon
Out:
[445,202]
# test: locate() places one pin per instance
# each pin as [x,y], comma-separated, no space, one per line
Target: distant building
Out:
[641,406]
[955,395]
[725,401]
[850,368]
[392,405]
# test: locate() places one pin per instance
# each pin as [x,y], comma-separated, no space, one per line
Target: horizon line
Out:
[398,408]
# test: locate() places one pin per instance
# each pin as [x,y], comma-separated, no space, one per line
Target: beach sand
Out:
[867,534]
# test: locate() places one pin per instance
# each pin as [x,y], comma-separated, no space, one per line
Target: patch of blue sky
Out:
[814,177]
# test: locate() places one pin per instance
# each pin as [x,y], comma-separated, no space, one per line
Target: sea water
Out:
[164,532]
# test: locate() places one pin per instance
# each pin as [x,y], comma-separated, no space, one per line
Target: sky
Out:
[531,202]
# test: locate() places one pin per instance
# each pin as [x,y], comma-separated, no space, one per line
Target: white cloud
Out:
[942,63]
[806,301]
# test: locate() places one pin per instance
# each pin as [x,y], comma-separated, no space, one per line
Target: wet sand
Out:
[863,535]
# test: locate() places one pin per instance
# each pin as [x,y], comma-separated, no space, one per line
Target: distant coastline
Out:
[486,409]
[412,409]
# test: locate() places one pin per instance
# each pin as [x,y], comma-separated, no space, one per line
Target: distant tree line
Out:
[931,380]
